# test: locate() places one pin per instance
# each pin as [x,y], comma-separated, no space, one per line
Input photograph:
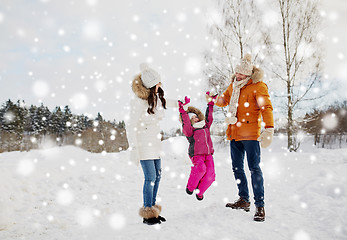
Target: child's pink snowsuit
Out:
[200,150]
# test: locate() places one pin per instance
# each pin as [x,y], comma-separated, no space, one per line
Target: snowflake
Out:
[64,197]
[40,88]
[117,221]
[25,167]
[84,217]
[92,30]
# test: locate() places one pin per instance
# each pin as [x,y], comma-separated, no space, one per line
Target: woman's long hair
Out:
[153,99]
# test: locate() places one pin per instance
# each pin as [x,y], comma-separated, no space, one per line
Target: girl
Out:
[143,129]
[197,130]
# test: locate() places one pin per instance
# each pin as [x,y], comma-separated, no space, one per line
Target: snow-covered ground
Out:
[68,193]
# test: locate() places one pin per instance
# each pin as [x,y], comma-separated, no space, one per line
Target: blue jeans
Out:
[152,171]
[252,149]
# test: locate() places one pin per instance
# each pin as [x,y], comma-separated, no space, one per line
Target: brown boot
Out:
[259,215]
[150,215]
[239,204]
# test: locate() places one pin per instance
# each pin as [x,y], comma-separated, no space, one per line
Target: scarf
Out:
[200,124]
[231,115]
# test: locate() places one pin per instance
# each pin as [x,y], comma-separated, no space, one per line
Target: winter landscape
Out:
[68,193]
[66,70]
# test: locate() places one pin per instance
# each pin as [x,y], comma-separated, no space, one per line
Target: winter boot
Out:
[151,221]
[200,198]
[188,191]
[161,218]
[259,215]
[150,215]
[239,204]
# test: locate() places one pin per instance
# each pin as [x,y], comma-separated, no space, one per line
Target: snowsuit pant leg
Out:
[209,176]
[197,172]
[152,173]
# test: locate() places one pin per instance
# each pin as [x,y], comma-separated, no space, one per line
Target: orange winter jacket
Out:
[254,107]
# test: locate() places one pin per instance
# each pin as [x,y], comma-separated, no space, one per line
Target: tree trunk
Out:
[290,119]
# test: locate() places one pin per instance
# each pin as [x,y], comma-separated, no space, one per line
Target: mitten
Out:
[265,138]
[182,107]
[211,99]
[134,155]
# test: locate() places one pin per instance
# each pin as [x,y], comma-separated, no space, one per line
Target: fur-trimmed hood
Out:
[195,110]
[257,75]
[139,89]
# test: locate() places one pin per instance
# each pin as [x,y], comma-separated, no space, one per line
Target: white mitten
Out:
[265,138]
[230,120]
[134,155]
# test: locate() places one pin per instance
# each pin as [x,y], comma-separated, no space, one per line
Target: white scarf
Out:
[200,124]
[234,99]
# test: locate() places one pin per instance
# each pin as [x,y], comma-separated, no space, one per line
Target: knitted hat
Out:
[191,114]
[245,66]
[149,77]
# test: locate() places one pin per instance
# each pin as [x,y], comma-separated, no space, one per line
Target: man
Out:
[249,104]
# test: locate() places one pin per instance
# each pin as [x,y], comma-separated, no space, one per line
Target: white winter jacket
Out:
[143,129]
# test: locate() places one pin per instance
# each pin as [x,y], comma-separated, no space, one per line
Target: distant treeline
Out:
[328,126]
[23,128]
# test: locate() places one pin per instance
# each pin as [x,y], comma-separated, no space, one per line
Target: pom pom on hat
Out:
[149,76]
[247,57]
[245,67]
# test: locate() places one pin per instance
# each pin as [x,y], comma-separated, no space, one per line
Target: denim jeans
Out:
[252,149]
[152,172]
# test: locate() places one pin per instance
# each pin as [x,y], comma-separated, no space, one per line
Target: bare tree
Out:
[297,57]
[239,31]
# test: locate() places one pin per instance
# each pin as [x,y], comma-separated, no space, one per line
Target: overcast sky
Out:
[84,53]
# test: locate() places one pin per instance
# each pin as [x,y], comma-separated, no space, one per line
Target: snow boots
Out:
[188,191]
[200,198]
[151,215]
[151,221]
[239,204]
[259,215]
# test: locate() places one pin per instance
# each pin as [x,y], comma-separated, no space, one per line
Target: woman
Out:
[143,130]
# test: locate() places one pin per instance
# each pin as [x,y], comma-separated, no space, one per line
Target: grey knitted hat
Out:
[149,77]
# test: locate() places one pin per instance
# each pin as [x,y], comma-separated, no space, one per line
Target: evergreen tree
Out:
[67,119]
[11,118]
[41,120]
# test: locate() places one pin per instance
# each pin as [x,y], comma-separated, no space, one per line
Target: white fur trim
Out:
[200,124]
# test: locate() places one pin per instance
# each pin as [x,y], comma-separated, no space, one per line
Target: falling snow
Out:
[88,63]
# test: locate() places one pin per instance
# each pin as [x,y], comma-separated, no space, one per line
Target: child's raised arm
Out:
[187,127]
[209,109]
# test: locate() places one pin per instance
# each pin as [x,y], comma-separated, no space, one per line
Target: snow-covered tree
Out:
[238,31]
[40,120]
[296,57]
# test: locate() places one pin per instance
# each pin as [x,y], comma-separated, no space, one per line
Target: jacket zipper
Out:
[207,142]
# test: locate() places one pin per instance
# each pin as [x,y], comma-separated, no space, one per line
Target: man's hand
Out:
[265,138]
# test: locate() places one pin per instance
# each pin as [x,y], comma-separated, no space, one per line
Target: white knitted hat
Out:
[149,77]
[245,66]
[190,114]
